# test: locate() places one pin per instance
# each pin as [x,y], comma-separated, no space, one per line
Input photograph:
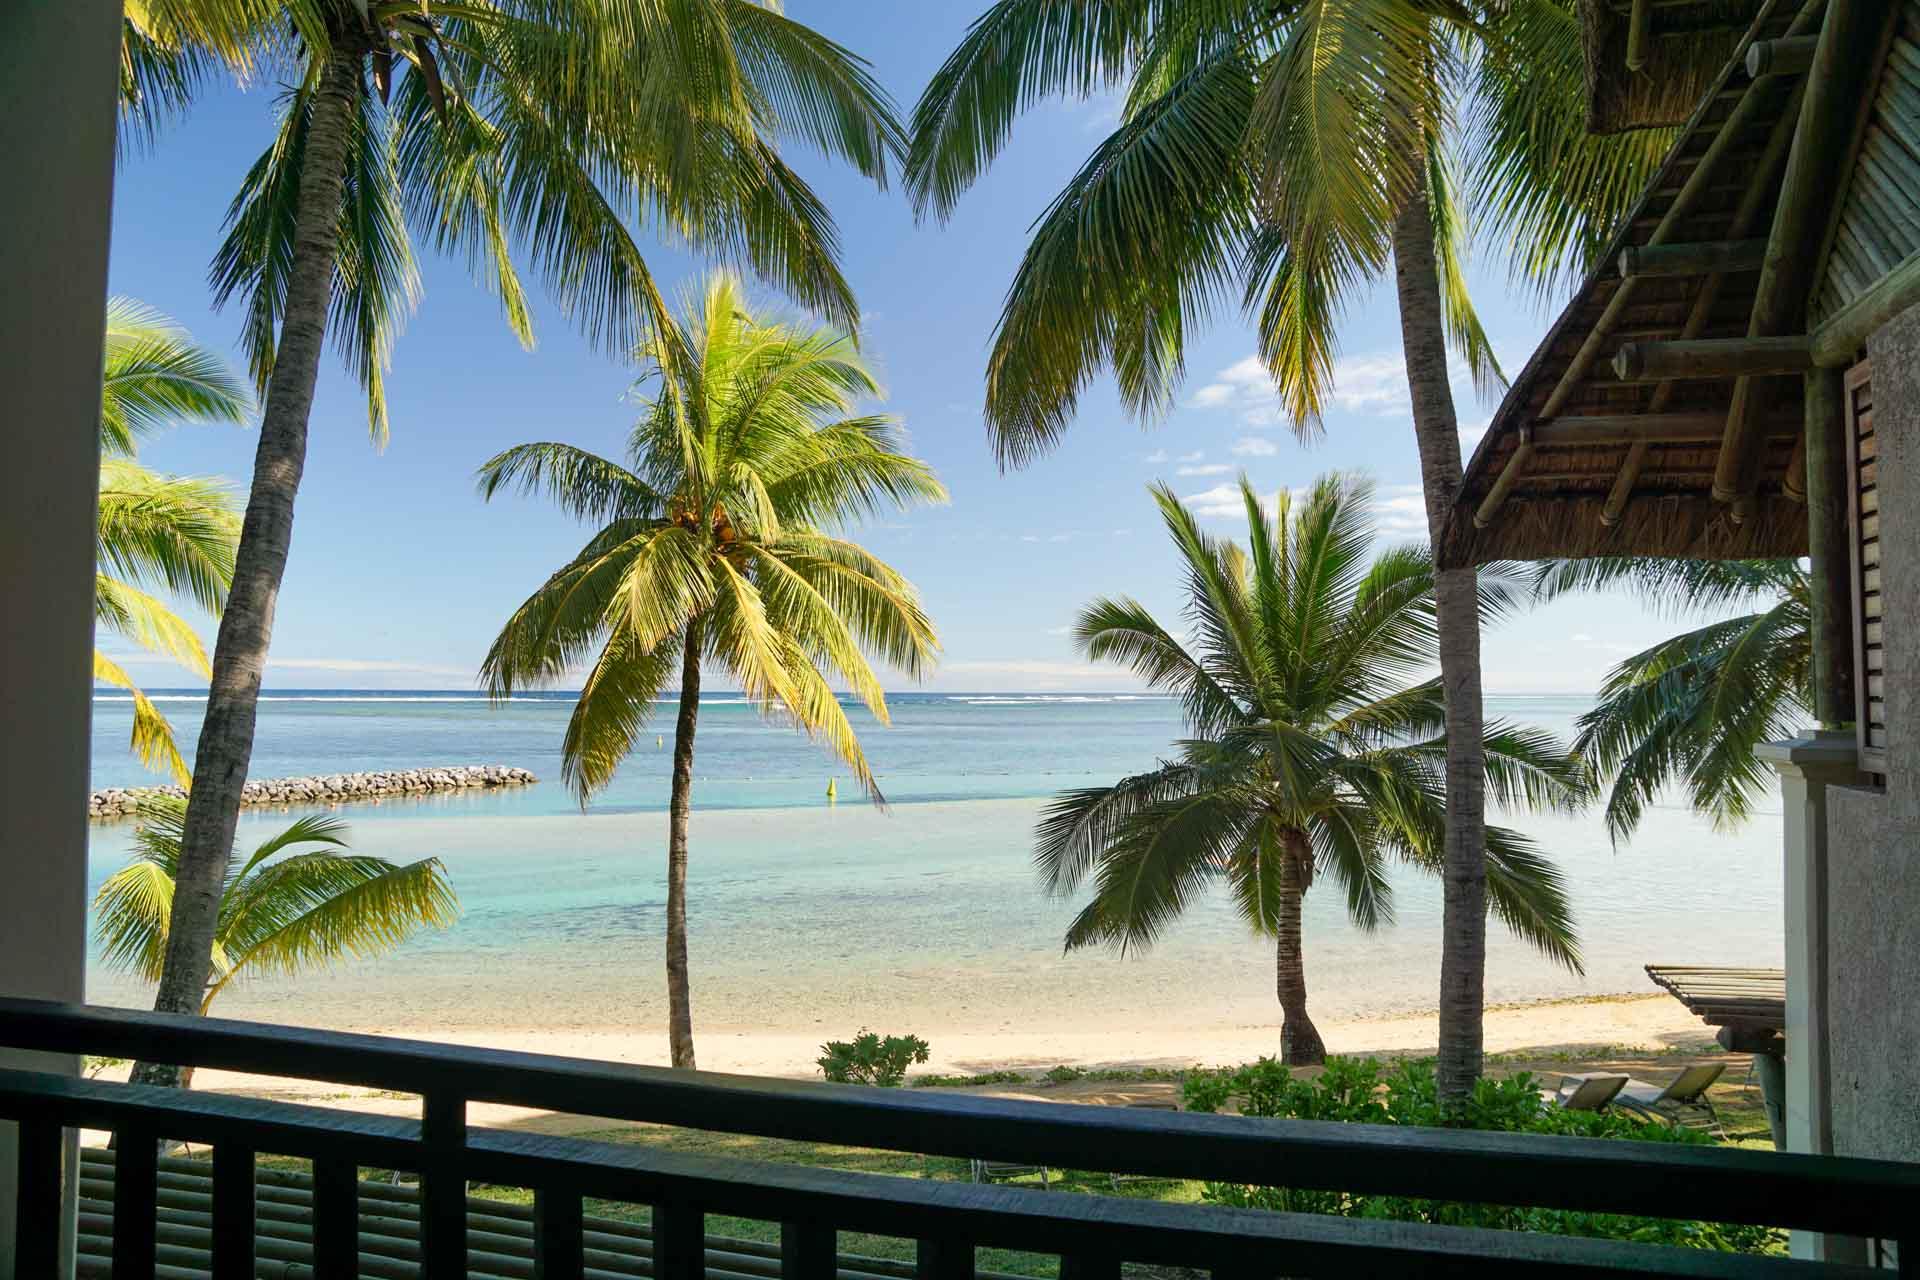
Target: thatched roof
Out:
[1578,420]
[1688,41]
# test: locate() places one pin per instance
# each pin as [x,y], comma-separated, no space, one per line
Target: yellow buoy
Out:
[833,790]
[659,741]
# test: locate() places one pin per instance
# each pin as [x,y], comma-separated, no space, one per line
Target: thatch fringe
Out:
[1690,45]
[1690,525]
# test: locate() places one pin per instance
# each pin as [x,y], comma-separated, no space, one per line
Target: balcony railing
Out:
[1092,1235]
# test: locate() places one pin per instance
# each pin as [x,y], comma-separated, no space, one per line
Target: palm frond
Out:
[154,376]
[151,738]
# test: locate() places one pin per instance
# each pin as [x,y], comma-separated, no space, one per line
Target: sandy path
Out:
[1568,1026]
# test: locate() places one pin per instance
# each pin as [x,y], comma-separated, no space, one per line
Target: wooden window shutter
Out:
[1863,509]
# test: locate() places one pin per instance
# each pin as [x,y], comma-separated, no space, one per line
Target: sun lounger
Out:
[1682,1103]
[1591,1091]
[1115,1179]
[997,1171]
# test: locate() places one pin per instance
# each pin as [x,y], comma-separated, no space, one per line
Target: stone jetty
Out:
[330,788]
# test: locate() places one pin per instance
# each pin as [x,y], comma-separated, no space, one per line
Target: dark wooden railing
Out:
[1092,1235]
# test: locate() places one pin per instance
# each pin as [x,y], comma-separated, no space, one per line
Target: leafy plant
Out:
[1364,1091]
[158,533]
[286,915]
[868,1059]
[1064,1074]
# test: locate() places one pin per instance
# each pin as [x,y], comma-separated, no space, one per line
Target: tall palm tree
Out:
[158,532]
[714,544]
[1281,155]
[502,131]
[278,915]
[1690,710]
[1313,751]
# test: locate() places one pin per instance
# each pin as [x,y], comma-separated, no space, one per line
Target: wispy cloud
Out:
[1195,456]
[1157,457]
[1205,469]
[1255,447]
[1369,384]
[1222,502]
[1400,510]
[364,666]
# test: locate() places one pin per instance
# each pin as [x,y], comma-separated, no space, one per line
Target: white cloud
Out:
[1205,469]
[1195,456]
[1400,510]
[1255,447]
[1157,457]
[1371,384]
[1470,433]
[1059,631]
[1222,502]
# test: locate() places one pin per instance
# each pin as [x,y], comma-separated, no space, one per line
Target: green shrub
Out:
[935,1081]
[1364,1091]
[867,1059]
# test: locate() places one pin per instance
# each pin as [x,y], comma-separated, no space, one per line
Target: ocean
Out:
[926,914]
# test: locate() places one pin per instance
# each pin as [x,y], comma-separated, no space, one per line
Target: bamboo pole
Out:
[1692,258]
[1828,547]
[1711,358]
[1829,123]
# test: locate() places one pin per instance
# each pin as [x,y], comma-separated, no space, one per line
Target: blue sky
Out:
[400,575]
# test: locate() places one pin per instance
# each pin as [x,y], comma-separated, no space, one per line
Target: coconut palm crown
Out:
[1691,710]
[159,535]
[715,543]
[285,915]
[1314,750]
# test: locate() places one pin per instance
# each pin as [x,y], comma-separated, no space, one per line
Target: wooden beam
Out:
[1787,56]
[1746,217]
[1697,181]
[1509,476]
[1574,430]
[1712,358]
[1829,548]
[1622,491]
[1822,140]
[1838,339]
[1639,33]
[1692,259]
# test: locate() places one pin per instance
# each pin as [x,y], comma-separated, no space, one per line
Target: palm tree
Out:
[1692,709]
[503,131]
[158,532]
[278,915]
[1282,155]
[713,544]
[1312,750]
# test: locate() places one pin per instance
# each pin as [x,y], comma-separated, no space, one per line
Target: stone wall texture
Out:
[331,788]
[1874,836]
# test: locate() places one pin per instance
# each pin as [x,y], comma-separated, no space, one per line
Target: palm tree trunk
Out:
[679,809]
[1463,951]
[240,653]
[1300,1043]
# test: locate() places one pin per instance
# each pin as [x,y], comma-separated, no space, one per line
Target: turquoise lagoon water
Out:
[806,915]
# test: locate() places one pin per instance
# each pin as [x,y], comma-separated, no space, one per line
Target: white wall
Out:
[58,87]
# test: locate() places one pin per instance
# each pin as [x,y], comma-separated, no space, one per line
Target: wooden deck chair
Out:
[1589,1092]
[1683,1103]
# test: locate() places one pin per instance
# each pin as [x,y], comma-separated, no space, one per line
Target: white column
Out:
[59,78]
[1809,765]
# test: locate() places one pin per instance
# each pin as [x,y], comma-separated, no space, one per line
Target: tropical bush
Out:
[1366,1091]
[868,1059]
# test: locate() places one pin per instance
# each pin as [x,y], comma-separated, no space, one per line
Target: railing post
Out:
[679,1241]
[807,1249]
[41,1177]
[136,1202]
[336,1219]
[944,1260]
[233,1212]
[558,1235]
[1088,1266]
[443,1187]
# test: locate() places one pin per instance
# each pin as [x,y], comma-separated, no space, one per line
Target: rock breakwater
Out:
[330,788]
